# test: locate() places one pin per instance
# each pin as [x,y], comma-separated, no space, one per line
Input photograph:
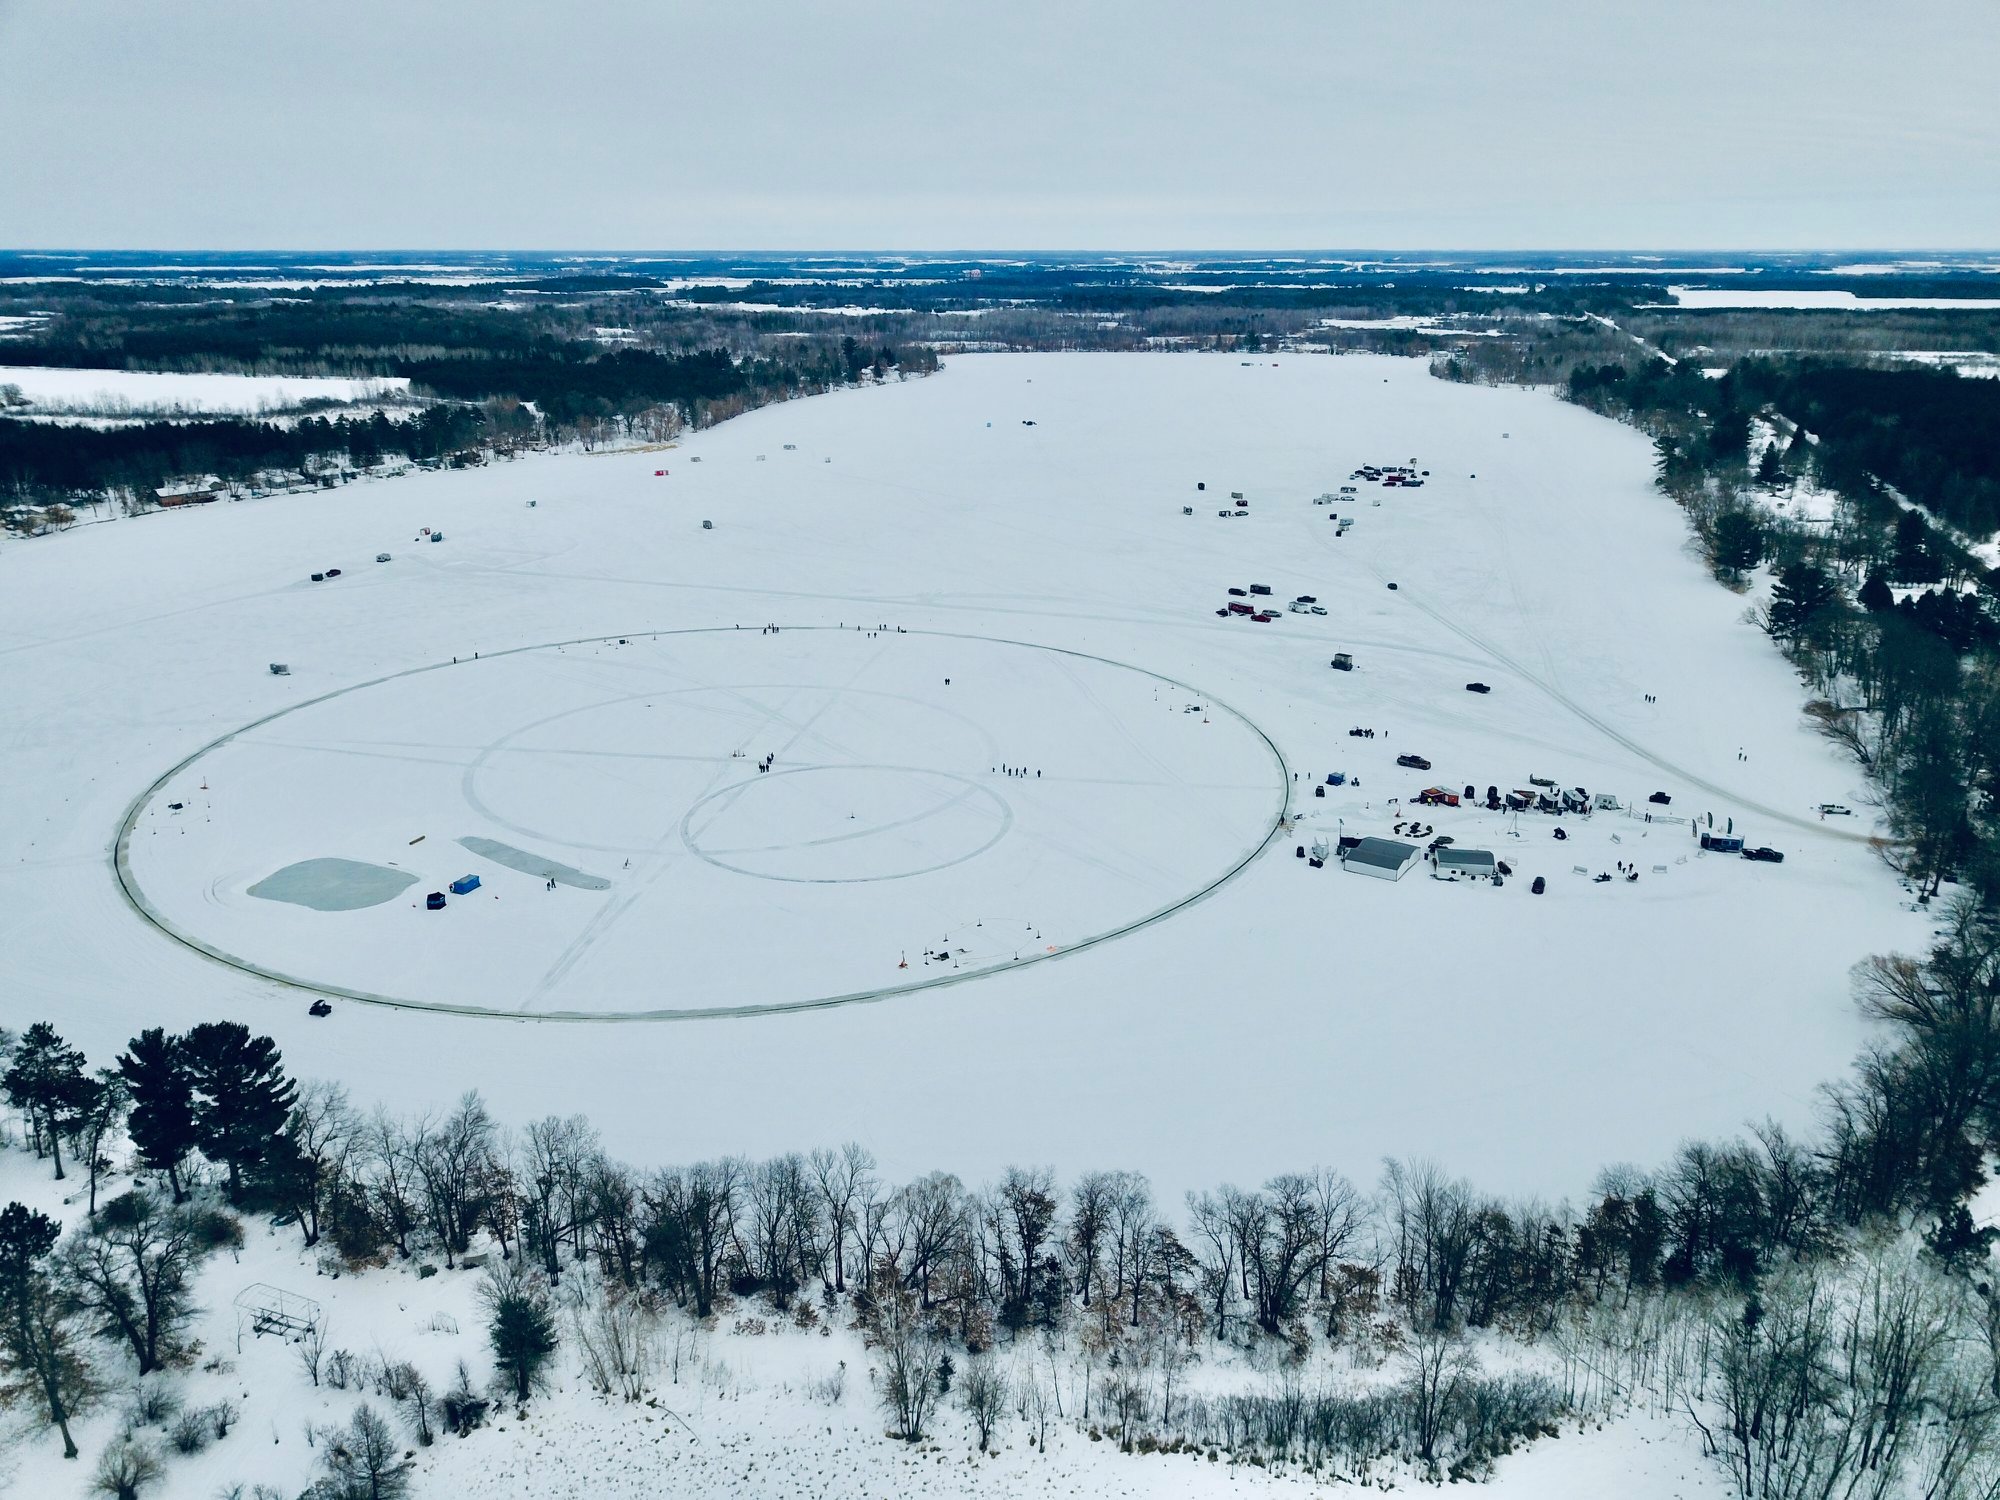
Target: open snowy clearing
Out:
[141,391]
[1294,1016]
[1826,301]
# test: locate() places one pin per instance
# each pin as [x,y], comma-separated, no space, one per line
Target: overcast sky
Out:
[1016,124]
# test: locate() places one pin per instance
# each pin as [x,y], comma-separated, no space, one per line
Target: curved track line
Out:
[128,884]
[1734,798]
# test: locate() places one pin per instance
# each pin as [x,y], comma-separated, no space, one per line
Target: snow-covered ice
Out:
[1293,1016]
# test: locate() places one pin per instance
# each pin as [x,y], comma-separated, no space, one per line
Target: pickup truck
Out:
[1414,762]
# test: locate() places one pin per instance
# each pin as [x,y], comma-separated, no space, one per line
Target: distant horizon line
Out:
[969,253]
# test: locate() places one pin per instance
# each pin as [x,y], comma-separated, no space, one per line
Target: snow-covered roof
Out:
[1465,859]
[1381,854]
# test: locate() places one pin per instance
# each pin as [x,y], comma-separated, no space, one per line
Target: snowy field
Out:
[137,392]
[1827,301]
[1292,1016]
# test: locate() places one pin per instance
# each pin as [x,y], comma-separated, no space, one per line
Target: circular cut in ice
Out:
[703,822]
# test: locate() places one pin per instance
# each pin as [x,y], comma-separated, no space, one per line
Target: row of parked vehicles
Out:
[1405,476]
[1239,604]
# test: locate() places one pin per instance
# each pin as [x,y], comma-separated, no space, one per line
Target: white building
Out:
[1466,864]
[1385,859]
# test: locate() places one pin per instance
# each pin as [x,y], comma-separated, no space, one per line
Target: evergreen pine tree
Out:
[1915,562]
[242,1096]
[1769,470]
[162,1124]
[1875,596]
[47,1083]
[522,1328]
[1804,590]
[1739,543]
[36,1333]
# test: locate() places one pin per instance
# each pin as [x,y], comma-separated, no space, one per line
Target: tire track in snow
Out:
[1617,737]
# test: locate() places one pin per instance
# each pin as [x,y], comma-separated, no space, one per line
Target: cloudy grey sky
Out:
[1050,124]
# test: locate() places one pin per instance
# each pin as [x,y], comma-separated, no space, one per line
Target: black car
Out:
[1392,585]
[1477,687]
[1764,855]
[333,572]
[1237,594]
[1414,762]
[1661,798]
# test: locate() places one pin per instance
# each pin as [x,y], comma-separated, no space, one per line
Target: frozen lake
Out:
[1293,1016]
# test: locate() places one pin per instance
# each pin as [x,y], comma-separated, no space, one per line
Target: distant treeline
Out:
[44,459]
[499,380]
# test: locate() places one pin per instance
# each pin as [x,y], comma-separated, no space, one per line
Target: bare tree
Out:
[391,1178]
[322,1131]
[127,1469]
[1437,1365]
[909,1351]
[844,1180]
[133,1267]
[982,1391]
[311,1347]
[453,1158]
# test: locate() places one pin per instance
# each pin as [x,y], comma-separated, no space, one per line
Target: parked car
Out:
[1477,687]
[1414,762]
[1260,588]
[1236,594]
[1317,609]
[333,572]
[381,557]
[1660,799]
[1765,855]
[1835,810]
[1306,599]
[1263,617]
